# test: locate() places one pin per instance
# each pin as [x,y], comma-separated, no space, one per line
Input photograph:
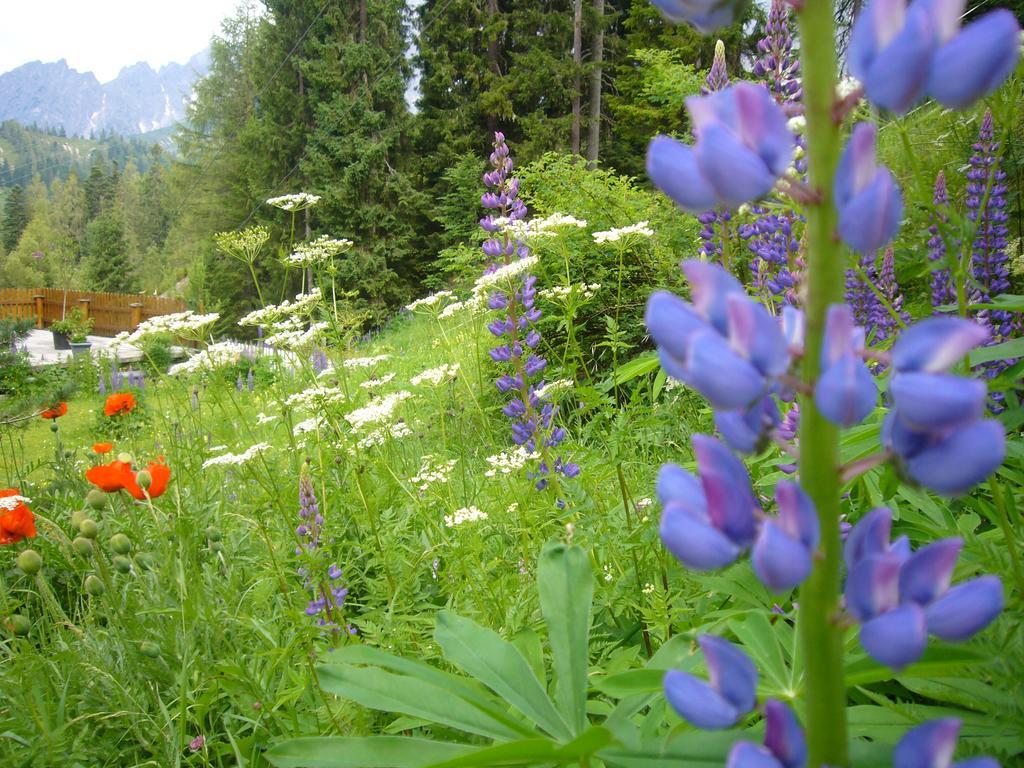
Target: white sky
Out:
[102,36]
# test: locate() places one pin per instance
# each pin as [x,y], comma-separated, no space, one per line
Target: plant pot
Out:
[61,340]
[80,348]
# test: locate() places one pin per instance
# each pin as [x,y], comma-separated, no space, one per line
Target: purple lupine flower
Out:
[900,53]
[238,383]
[869,202]
[103,383]
[714,221]
[729,694]
[899,597]
[784,743]
[704,15]
[846,392]
[773,244]
[932,745]
[250,380]
[989,257]
[783,553]
[318,360]
[743,147]
[748,431]
[861,299]
[724,344]
[884,325]
[718,76]
[935,428]
[707,520]
[776,63]
[943,292]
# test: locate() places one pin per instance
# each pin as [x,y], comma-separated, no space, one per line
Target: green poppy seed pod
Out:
[82,546]
[145,561]
[143,479]
[96,499]
[213,533]
[122,564]
[19,625]
[216,546]
[29,561]
[127,458]
[152,650]
[121,544]
[89,528]
[77,517]
[94,586]
[53,426]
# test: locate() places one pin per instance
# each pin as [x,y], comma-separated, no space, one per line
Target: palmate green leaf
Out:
[566,587]
[525,752]
[386,692]
[693,749]
[362,752]
[764,646]
[500,666]
[938,661]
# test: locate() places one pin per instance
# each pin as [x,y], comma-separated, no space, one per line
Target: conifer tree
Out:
[16,217]
[108,267]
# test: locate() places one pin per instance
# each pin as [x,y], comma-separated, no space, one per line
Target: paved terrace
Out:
[39,346]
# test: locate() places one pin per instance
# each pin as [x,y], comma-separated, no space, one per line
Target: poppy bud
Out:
[94,586]
[77,517]
[144,561]
[29,561]
[125,457]
[53,426]
[151,650]
[120,543]
[122,564]
[95,499]
[216,546]
[19,625]
[143,479]
[82,546]
[213,533]
[89,528]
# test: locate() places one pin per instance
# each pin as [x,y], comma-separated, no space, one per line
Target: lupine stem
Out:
[820,635]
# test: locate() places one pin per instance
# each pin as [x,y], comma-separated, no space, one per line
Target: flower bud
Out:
[216,546]
[144,561]
[122,564]
[95,499]
[94,586]
[82,546]
[77,517]
[213,533]
[120,543]
[143,479]
[19,625]
[125,457]
[149,649]
[29,561]
[89,528]
[53,426]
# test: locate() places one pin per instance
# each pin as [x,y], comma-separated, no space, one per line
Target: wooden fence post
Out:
[136,314]
[39,309]
[85,308]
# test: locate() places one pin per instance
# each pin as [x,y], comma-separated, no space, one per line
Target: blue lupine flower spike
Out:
[869,202]
[783,553]
[846,392]
[730,693]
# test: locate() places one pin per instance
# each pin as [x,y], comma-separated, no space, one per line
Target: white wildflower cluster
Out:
[644,503]
[315,398]
[364,362]
[436,376]
[847,86]
[245,245]
[214,356]
[295,202]
[377,410]
[430,301]
[309,426]
[380,435]
[508,462]
[8,503]
[263,418]
[302,305]
[464,515]
[318,252]
[454,307]
[503,274]
[554,387]
[377,381]
[797,123]
[287,336]
[234,459]
[432,472]
[559,293]
[186,323]
[544,227]
[641,228]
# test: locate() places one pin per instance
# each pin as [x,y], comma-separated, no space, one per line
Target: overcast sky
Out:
[102,36]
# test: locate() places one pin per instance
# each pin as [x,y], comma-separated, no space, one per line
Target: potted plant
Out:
[80,344]
[62,331]
[76,327]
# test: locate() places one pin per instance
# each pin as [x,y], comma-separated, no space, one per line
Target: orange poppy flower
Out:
[160,474]
[112,477]
[16,519]
[55,412]
[103,447]
[119,403]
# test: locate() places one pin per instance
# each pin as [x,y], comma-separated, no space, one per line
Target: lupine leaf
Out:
[362,752]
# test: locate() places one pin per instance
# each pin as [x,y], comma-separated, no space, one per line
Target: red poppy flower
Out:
[55,412]
[119,403]
[112,477]
[160,474]
[16,519]
[103,447]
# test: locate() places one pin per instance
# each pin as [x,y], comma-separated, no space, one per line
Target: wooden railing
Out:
[111,312]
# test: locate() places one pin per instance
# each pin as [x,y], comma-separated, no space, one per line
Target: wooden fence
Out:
[111,312]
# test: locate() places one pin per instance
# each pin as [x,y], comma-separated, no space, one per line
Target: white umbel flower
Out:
[640,229]
[436,376]
[234,459]
[464,515]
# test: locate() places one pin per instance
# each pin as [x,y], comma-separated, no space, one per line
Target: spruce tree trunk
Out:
[594,123]
[577,60]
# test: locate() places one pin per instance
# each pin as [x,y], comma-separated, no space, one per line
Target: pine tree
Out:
[108,266]
[16,217]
